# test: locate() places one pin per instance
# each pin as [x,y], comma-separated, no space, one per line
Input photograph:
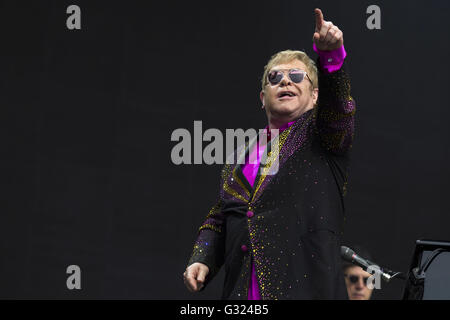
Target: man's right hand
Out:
[195,275]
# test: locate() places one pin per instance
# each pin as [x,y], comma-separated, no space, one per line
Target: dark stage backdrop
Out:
[87,117]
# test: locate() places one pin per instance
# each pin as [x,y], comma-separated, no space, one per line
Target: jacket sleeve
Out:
[209,248]
[335,110]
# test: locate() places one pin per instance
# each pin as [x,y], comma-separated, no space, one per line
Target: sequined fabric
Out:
[293,233]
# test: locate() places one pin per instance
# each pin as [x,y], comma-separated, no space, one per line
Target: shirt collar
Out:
[281,129]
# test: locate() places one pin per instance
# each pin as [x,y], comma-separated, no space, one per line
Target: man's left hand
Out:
[327,36]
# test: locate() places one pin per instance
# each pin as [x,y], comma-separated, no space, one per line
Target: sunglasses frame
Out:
[305,74]
[358,278]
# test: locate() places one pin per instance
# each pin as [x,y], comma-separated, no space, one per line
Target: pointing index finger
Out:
[319,18]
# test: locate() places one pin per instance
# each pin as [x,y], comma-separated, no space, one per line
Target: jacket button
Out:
[244,248]
[250,214]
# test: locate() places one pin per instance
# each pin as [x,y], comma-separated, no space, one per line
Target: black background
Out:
[87,116]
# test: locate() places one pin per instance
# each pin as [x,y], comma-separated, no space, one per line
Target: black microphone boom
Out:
[350,256]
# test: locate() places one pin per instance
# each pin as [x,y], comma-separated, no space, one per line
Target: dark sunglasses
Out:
[355,279]
[295,75]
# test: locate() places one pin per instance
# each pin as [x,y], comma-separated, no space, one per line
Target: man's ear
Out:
[261,97]
[315,94]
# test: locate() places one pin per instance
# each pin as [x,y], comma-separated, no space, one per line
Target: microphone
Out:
[350,256]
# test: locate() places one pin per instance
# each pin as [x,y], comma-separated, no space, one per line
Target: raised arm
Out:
[336,108]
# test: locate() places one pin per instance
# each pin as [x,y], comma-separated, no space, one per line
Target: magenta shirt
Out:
[331,61]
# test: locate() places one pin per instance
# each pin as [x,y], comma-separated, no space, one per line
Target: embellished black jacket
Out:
[293,233]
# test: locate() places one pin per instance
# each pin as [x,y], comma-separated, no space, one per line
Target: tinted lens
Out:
[275,77]
[296,76]
[355,279]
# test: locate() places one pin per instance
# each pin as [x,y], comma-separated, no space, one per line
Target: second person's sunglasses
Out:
[354,279]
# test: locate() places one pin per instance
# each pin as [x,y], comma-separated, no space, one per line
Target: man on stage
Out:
[278,236]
